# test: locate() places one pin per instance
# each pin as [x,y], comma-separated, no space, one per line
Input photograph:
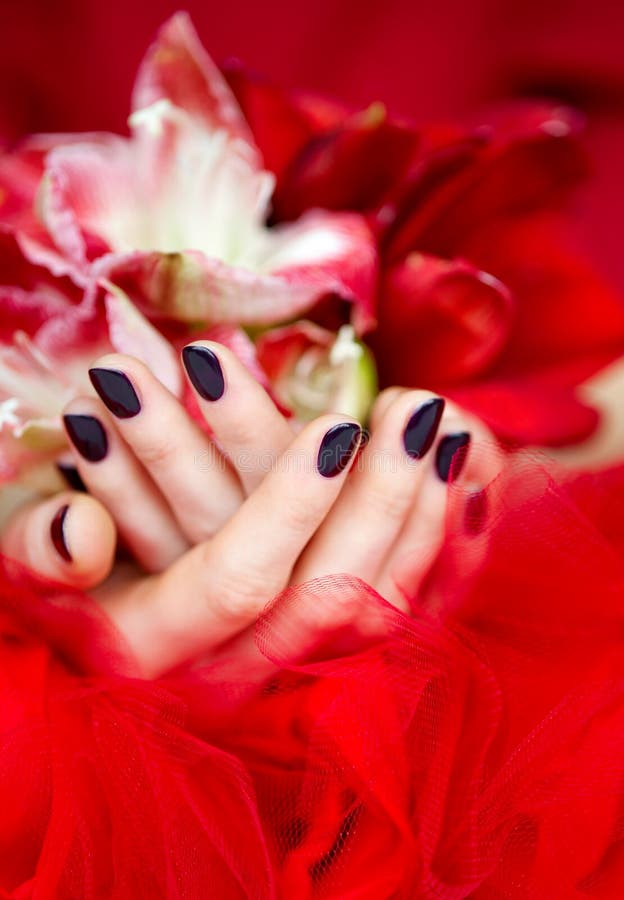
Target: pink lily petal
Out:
[176,214]
[280,348]
[298,264]
[15,458]
[178,69]
[40,370]
[131,333]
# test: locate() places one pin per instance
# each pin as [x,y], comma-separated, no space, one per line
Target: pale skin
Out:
[217,533]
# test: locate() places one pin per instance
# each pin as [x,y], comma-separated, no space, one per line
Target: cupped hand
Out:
[222,525]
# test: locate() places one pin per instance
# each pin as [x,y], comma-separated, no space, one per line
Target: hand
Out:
[161,482]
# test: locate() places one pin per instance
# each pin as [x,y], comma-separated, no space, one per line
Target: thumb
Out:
[69,538]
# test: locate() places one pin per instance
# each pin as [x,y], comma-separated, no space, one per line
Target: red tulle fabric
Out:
[472,749]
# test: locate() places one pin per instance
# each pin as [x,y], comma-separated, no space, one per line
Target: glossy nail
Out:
[337,448]
[88,436]
[476,512]
[451,455]
[115,389]
[204,370]
[422,428]
[72,476]
[57,533]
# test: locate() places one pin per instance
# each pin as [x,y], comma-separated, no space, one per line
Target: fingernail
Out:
[88,436]
[72,476]
[337,448]
[476,512]
[451,455]
[204,370]
[115,389]
[57,533]
[422,428]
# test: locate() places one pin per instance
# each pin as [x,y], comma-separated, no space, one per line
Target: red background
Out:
[69,65]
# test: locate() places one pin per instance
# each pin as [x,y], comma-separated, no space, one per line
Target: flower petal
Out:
[525,161]
[20,174]
[41,369]
[439,322]
[89,193]
[315,371]
[178,69]
[569,322]
[131,333]
[322,254]
[282,121]
[528,412]
[349,167]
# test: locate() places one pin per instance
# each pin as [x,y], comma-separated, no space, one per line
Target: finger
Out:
[69,538]
[383,403]
[372,509]
[191,473]
[219,587]
[246,423]
[456,464]
[113,474]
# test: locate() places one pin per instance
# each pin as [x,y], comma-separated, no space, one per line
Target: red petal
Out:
[569,322]
[528,412]
[527,161]
[439,322]
[349,167]
[282,121]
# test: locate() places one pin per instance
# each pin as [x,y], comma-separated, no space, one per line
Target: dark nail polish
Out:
[337,448]
[204,370]
[476,512]
[115,389]
[72,476]
[422,428]
[451,455]
[57,533]
[88,436]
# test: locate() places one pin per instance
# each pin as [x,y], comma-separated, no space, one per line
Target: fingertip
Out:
[69,538]
[90,537]
[383,402]
[204,370]
[338,448]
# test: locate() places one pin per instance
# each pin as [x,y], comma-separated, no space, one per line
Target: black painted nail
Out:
[204,370]
[422,428]
[88,436]
[476,512]
[337,448]
[72,476]
[115,389]
[451,455]
[57,533]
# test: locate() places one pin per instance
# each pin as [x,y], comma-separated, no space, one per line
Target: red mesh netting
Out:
[472,750]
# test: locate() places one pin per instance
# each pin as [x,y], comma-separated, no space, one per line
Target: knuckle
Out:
[384,400]
[302,514]
[158,451]
[390,503]
[239,591]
